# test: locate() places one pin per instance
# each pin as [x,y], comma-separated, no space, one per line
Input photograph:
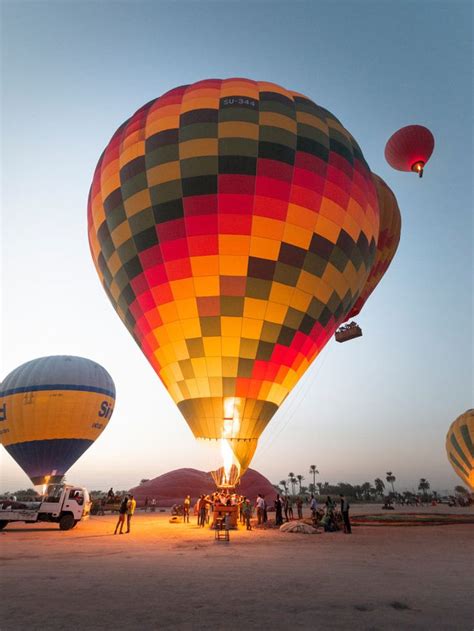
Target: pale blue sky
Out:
[73,72]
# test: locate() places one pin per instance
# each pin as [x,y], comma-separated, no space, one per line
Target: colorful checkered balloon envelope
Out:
[233,225]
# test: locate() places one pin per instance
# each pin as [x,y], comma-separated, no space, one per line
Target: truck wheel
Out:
[3,524]
[66,522]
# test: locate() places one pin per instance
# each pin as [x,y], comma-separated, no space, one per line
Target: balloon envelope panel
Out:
[244,451]
[460,446]
[233,224]
[387,241]
[53,409]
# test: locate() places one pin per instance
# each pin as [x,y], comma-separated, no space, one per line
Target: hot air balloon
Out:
[410,148]
[233,225]
[51,410]
[460,446]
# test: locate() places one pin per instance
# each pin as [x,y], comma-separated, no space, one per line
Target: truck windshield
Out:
[53,494]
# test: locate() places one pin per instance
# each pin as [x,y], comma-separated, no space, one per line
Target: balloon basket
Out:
[348,332]
[225,518]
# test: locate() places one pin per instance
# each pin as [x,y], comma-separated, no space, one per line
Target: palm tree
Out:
[313,471]
[292,480]
[424,486]
[366,490]
[300,479]
[284,484]
[461,490]
[391,479]
[379,486]
[357,491]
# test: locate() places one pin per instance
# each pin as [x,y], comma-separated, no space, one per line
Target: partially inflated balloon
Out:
[460,446]
[387,241]
[233,225]
[51,410]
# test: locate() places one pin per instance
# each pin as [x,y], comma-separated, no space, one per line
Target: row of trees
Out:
[367,491]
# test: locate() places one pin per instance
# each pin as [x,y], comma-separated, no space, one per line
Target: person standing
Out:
[260,504]
[345,514]
[146,503]
[153,505]
[209,508]
[329,505]
[278,511]
[290,507]
[202,511]
[131,505]
[122,513]
[285,506]
[241,512]
[101,510]
[313,505]
[186,507]
[299,506]
[247,512]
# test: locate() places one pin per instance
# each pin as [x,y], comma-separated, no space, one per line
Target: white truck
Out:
[64,504]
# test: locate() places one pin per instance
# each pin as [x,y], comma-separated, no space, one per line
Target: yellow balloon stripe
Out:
[459,446]
[54,414]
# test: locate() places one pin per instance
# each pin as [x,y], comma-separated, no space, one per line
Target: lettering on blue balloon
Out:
[106,410]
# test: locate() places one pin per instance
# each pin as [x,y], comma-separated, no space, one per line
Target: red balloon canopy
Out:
[410,148]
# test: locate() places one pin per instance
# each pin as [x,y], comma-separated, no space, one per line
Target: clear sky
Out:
[74,71]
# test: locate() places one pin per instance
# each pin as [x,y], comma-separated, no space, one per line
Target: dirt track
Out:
[175,576]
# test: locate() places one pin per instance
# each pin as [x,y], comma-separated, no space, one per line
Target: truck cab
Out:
[62,504]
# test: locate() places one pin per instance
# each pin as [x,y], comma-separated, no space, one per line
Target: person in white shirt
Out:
[260,504]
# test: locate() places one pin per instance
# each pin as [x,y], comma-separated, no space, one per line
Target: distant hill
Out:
[172,487]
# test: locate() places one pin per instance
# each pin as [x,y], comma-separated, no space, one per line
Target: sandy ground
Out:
[176,576]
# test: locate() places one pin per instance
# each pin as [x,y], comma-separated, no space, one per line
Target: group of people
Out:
[149,503]
[326,516]
[126,509]
[206,504]
[283,506]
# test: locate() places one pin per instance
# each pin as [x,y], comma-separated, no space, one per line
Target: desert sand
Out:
[176,576]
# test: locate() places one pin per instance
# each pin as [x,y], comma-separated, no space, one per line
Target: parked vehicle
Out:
[103,504]
[65,505]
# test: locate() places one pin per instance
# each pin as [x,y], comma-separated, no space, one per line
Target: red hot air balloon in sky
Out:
[410,148]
